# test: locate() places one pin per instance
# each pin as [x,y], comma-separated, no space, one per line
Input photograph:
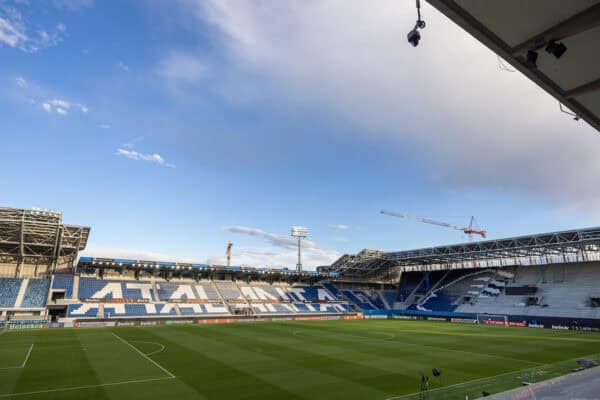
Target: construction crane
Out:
[469,230]
[229,246]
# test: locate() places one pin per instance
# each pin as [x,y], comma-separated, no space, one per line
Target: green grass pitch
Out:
[376,359]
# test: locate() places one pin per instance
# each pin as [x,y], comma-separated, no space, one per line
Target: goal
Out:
[492,319]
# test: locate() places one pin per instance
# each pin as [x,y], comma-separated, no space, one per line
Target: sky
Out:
[174,127]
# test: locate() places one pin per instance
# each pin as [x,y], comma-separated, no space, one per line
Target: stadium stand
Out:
[408,283]
[36,293]
[229,290]
[9,290]
[448,281]
[359,298]
[564,292]
[455,287]
[188,298]
[63,282]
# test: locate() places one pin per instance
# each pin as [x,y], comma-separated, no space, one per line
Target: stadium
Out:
[158,327]
[504,318]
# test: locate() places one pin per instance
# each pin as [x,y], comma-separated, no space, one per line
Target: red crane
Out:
[469,230]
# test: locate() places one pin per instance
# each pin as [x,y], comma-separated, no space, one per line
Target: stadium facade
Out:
[546,280]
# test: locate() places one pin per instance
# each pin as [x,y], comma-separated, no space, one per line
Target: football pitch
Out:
[376,359]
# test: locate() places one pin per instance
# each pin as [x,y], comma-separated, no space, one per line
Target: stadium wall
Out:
[557,323]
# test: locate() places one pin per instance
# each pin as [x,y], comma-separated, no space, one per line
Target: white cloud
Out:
[122,66]
[104,126]
[14,32]
[241,256]
[60,103]
[21,82]
[12,28]
[313,254]
[472,125]
[339,227]
[180,69]
[152,157]
[62,107]
[98,250]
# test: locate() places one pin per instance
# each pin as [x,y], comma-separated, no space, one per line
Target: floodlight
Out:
[300,233]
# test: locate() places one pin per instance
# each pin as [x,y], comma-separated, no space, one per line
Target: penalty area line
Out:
[162,347]
[24,361]
[27,356]
[166,371]
[83,387]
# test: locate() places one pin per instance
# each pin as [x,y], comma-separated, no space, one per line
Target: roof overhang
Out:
[577,245]
[511,28]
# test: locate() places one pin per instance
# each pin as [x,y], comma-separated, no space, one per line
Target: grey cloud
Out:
[473,125]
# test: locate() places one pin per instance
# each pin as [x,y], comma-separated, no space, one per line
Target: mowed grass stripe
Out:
[388,370]
[55,368]
[263,361]
[406,340]
[13,350]
[478,330]
[207,375]
[276,373]
[387,344]
[406,360]
[537,348]
[526,348]
[379,374]
[114,360]
[291,373]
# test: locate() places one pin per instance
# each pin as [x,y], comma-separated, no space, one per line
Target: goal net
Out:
[492,319]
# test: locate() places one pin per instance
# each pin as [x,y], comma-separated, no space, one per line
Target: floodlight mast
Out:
[299,233]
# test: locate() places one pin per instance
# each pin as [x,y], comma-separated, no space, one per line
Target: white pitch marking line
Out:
[144,355]
[460,383]
[24,361]
[162,347]
[83,387]
[489,377]
[27,356]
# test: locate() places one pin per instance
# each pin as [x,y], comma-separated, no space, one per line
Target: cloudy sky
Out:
[174,127]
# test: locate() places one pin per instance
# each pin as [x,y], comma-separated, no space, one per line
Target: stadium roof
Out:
[38,237]
[578,245]
[511,28]
[193,268]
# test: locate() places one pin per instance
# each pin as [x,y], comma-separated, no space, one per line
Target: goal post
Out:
[492,319]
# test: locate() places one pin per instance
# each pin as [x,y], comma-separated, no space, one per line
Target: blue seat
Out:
[9,290]
[64,281]
[36,293]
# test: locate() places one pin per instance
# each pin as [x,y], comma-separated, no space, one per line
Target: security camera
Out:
[413,37]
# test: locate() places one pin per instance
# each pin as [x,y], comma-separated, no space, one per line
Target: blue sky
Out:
[172,128]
